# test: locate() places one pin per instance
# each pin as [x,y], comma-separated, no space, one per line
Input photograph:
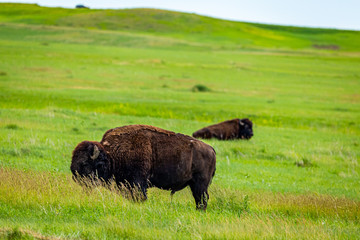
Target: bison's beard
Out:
[90,181]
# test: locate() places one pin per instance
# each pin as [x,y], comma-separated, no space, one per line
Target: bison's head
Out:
[245,129]
[90,163]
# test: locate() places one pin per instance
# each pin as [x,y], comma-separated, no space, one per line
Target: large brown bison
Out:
[141,156]
[231,129]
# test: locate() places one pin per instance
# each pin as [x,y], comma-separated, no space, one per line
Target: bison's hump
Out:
[136,128]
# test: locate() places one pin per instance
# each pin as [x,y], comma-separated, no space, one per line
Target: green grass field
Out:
[68,75]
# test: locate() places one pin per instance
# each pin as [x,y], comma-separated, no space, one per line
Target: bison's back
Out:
[132,129]
[166,159]
[224,130]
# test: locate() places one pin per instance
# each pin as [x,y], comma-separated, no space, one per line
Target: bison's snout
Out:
[247,137]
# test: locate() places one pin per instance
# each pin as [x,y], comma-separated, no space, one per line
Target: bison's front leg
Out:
[134,190]
[139,191]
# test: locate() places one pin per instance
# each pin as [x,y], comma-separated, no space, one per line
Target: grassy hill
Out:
[192,27]
[68,75]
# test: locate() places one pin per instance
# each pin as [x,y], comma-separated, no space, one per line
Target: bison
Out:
[231,129]
[141,156]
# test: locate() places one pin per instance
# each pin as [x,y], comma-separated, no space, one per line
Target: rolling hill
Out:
[184,26]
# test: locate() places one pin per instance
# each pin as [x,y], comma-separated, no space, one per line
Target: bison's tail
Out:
[213,174]
[214,157]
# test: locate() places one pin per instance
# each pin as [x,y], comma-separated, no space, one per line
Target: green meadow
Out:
[68,75]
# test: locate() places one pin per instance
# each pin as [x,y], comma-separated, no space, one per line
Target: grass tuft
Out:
[17,234]
[12,126]
[227,201]
[75,130]
[304,162]
[200,88]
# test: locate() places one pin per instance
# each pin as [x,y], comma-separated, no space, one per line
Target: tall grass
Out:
[58,203]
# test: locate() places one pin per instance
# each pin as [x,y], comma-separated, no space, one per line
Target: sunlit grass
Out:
[56,201]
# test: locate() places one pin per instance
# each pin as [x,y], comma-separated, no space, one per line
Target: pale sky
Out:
[341,14]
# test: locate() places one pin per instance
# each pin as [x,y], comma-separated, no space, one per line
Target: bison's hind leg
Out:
[199,186]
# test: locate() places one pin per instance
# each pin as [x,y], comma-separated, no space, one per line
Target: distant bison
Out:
[141,156]
[231,129]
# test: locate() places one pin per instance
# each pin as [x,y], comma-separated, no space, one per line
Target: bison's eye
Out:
[85,165]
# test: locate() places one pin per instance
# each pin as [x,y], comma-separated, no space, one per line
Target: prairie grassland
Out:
[66,211]
[65,79]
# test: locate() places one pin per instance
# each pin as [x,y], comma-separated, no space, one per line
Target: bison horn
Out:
[95,153]
[241,123]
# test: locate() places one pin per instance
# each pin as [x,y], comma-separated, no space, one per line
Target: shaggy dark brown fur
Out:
[231,129]
[145,156]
